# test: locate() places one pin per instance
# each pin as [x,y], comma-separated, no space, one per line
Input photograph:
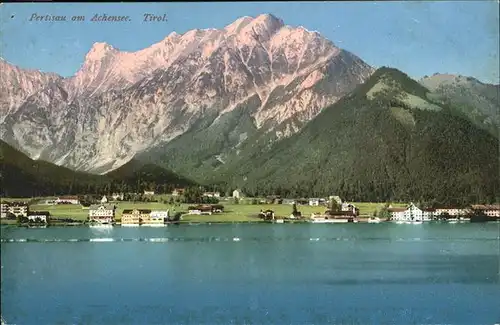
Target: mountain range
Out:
[121,103]
[385,141]
[258,103]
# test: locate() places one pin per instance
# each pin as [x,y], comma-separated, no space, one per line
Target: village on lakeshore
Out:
[150,209]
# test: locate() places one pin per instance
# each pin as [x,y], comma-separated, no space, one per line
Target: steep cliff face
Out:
[121,103]
[17,84]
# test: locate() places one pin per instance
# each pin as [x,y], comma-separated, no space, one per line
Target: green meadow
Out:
[232,212]
[77,212]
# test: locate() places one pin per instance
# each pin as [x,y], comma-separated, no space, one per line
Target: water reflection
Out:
[310,273]
[101,230]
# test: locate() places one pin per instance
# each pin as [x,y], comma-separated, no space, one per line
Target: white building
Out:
[149,192]
[17,209]
[104,199]
[200,210]
[428,214]
[397,214]
[348,207]
[237,194]
[68,200]
[453,212]
[41,217]
[117,196]
[491,210]
[159,214]
[194,211]
[409,214]
[313,202]
[103,213]
[336,217]
[4,209]
[212,194]
[157,218]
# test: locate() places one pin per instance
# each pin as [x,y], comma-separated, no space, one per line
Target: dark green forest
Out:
[22,176]
[379,149]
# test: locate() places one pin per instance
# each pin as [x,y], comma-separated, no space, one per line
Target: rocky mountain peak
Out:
[269,20]
[265,23]
[120,103]
[261,27]
[172,36]
[238,24]
[99,50]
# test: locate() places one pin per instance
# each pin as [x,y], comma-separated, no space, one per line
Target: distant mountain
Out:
[478,101]
[384,141]
[119,104]
[22,176]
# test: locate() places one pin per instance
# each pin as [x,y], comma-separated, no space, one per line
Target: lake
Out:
[252,274]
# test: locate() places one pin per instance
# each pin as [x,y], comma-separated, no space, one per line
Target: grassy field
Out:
[16,199]
[76,212]
[367,208]
[232,213]
[8,222]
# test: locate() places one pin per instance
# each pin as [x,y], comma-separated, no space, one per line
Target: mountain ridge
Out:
[378,147]
[478,101]
[151,96]
[257,105]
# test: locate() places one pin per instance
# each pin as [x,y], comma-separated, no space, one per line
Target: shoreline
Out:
[191,223]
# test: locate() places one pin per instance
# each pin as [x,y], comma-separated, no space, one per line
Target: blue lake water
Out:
[252,274]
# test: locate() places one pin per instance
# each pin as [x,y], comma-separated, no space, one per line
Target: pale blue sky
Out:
[420,38]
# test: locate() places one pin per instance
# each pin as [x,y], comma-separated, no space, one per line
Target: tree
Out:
[444,216]
[384,212]
[22,219]
[127,197]
[193,195]
[176,217]
[295,212]
[335,206]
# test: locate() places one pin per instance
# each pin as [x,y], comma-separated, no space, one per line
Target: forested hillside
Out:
[136,175]
[385,141]
[22,176]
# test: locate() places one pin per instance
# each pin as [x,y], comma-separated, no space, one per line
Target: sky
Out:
[419,38]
